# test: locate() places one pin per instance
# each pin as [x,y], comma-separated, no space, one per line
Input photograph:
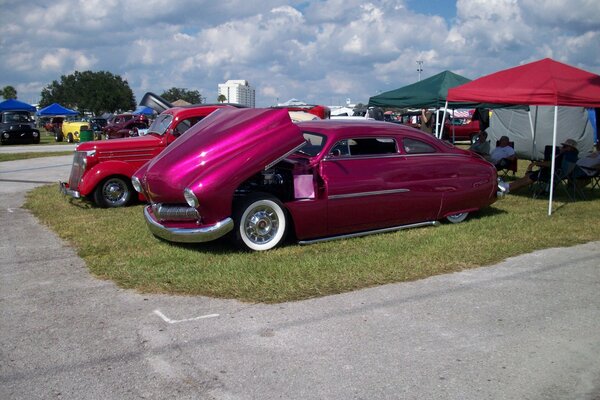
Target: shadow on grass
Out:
[221,246]
[486,213]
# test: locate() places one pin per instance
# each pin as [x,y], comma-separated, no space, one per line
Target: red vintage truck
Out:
[102,170]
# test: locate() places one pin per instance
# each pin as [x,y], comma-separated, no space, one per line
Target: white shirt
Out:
[501,152]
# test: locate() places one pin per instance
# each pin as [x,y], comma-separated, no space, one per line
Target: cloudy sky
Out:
[319,51]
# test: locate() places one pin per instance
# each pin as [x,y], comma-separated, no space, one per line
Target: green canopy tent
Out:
[428,93]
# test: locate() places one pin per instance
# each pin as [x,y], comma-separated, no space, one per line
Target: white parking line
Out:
[173,321]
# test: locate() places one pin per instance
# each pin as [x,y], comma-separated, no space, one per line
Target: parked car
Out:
[96,125]
[323,112]
[125,125]
[70,131]
[102,170]
[17,127]
[54,125]
[456,129]
[256,175]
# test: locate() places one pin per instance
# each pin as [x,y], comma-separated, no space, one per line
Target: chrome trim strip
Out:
[123,151]
[399,155]
[285,155]
[329,157]
[373,232]
[365,194]
[198,235]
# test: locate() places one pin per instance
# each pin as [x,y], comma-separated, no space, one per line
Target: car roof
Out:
[341,129]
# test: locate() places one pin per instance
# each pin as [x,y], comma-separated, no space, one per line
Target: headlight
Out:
[190,197]
[6,135]
[137,185]
[35,134]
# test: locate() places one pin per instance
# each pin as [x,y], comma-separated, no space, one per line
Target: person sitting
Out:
[588,166]
[481,146]
[503,155]
[568,154]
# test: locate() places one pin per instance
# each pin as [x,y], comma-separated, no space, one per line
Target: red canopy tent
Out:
[543,82]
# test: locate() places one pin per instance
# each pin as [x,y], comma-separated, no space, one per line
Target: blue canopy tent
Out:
[144,110]
[13,104]
[55,109]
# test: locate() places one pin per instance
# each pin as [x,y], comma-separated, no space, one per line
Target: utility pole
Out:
[420,68]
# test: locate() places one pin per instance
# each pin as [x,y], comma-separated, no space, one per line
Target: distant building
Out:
[238,91]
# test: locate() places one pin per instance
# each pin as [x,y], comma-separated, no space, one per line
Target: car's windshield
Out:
[161,124]
[314,144]
[16,116]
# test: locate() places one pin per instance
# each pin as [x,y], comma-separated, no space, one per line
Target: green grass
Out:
[47,138]
[116,245]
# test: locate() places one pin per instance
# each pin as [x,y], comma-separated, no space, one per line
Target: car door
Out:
[370,185]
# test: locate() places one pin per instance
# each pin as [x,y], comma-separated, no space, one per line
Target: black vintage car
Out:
[97,123]
[17,127]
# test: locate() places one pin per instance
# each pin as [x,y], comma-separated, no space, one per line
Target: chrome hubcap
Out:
[261,225]
[113,192]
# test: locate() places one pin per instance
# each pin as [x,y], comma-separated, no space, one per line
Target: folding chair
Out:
[595,184]
[566,180]
[513,166]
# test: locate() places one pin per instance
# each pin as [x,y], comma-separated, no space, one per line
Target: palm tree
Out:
[221,98]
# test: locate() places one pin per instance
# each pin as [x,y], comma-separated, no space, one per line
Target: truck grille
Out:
[77,169]
[164,212]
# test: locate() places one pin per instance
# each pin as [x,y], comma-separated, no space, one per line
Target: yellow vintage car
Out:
[71,129]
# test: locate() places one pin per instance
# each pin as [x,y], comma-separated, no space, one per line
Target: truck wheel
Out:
[70,138]
[112,192]
[260,223]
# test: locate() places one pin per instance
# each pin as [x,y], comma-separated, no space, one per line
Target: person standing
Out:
[426,120]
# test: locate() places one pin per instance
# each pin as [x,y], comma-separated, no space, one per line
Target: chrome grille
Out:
[164,212]
[77,169]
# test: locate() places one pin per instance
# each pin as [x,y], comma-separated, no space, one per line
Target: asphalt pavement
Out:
[526,328]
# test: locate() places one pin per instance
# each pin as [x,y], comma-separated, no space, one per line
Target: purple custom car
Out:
[254,174]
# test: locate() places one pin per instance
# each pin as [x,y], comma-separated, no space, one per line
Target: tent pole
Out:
[553,168]
[443,120]
[532,133]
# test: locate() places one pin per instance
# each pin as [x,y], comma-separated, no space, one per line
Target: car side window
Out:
[340,149]
[185,125]
[364,147]
[415,146]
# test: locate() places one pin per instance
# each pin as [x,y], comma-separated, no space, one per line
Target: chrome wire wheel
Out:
[262,224]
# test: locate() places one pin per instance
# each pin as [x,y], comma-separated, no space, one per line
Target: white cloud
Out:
[310,50]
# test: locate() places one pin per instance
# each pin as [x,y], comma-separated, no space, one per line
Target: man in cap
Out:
[567,155]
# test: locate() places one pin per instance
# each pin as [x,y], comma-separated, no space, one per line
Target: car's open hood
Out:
[216,155]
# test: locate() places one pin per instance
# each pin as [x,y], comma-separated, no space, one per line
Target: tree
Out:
[221,98]
[174,94]
[90,91]
[9,92]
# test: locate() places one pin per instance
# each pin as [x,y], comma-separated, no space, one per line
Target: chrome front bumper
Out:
[198,235]
[63,187]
